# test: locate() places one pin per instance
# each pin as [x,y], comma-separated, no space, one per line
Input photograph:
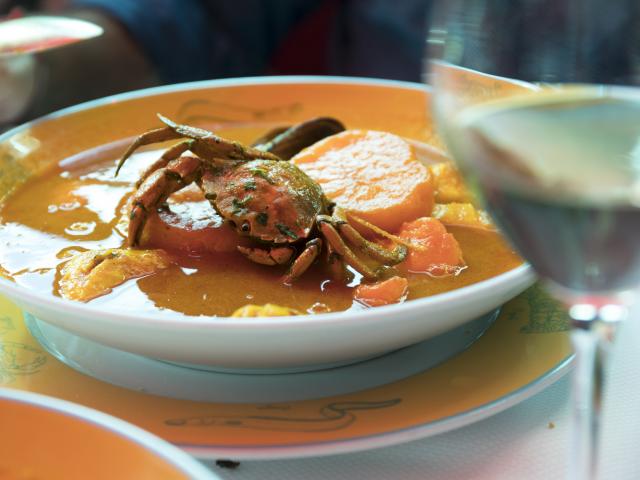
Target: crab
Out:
[261,195]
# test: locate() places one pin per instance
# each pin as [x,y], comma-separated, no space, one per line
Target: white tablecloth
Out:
[528,441]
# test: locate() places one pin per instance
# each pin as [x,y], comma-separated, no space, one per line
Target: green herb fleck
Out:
[261,173]
[262,218]
[240,206]
[242,203]
[249,185]
[286,231]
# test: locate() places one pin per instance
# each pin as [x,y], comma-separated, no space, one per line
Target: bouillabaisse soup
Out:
[81,206]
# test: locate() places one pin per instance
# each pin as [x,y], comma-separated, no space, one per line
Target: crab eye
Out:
[245,227]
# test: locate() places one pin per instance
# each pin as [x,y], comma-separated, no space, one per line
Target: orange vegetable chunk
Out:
[393,290]
[374,175]
[438,251]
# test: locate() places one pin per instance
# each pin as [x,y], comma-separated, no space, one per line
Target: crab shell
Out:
[270,201]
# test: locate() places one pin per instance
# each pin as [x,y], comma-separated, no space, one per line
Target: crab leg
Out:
[170,154]
[147,138]
[337,267]
[305,259]
[388,257]
[206,145]
[156,189]
[209,146]
[332,236]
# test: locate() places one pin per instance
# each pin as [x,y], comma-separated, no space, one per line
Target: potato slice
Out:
[91,274]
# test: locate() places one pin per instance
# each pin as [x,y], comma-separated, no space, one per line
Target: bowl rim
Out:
[520,274]
[170,454]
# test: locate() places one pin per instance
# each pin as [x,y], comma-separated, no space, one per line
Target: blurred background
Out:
[155,42]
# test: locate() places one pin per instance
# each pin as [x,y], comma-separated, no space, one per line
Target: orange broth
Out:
[77,205]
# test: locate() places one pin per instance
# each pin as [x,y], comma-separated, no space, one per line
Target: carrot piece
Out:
[393,290]
[440,255]
[374,175]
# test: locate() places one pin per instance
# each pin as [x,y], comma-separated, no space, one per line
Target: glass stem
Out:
[592,334]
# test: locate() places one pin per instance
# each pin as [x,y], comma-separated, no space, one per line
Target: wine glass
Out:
[538,102]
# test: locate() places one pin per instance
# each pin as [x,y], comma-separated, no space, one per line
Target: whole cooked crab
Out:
[259,193]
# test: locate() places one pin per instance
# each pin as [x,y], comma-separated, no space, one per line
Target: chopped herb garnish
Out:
[262,218]
[210,196]
[261,173]
[239,206]
[286,231]
[249,185]
[242,203]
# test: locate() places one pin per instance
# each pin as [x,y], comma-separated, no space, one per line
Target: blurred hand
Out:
[17,86]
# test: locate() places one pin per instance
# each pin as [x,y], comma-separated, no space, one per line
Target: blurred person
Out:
[154,42]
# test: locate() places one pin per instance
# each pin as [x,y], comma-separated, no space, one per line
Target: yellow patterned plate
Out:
[525,350]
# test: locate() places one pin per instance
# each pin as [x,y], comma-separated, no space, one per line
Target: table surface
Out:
[528,441]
